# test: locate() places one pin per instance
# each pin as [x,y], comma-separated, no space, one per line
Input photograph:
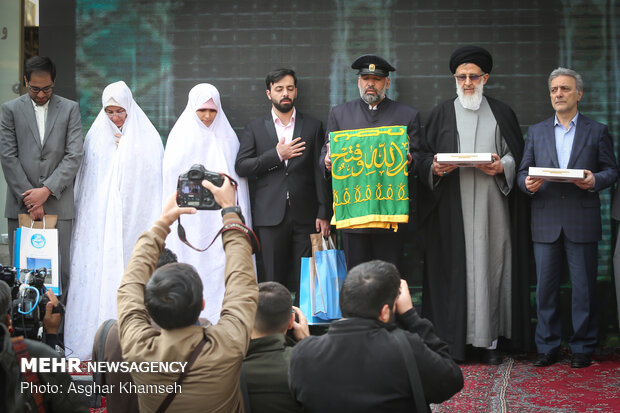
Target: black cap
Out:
[370,64]
[471,54]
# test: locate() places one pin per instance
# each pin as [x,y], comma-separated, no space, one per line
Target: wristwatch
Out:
[236,209]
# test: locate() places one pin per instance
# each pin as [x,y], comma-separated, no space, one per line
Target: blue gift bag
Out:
[307,283]
[320,282]
[331,271]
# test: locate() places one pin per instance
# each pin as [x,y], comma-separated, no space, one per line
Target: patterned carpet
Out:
[517,386]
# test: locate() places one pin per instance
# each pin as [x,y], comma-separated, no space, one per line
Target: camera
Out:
[191,193]
[29,303]
[9,276]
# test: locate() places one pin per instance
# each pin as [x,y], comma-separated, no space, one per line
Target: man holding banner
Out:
[369,162]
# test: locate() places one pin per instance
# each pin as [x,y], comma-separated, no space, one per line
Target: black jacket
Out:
[358,367]
[271,179]
[14,400]
[266,374]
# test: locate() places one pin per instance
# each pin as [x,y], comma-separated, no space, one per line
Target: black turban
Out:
[471,54]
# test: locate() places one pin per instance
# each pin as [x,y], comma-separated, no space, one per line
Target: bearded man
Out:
[372,110]
[280,152]
[477,247]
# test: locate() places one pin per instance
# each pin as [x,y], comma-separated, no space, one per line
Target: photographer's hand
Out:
[171,211]
[51,321]
[403,302]
[300,328]
[224,195]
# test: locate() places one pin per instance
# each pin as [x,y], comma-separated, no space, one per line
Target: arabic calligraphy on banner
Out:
[369,151]
[369,175]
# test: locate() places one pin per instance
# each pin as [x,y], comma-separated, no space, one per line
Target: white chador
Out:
[117,197]
[215,147]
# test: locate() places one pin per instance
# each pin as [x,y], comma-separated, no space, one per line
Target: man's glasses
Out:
[46,89]
[473,78]
[117,113]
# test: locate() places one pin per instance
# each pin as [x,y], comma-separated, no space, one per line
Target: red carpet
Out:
[517,386]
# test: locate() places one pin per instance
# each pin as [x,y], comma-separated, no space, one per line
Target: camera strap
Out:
[233,225]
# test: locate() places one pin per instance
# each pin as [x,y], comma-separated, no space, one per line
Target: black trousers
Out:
[363,247]
[282,247]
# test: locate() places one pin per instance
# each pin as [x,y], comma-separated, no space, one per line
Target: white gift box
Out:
[557,174]
[464,159]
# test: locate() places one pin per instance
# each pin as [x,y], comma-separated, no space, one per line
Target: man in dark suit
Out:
[41,138]
[566,217]
[281,151]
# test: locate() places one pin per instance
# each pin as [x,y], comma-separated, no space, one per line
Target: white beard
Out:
[471,102]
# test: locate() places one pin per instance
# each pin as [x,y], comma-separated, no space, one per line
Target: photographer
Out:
[375,352]
[269,354]
[12,396]
[172,297]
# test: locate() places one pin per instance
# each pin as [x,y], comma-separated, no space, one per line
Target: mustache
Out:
[370,88]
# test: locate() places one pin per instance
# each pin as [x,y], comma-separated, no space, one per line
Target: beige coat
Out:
[213,382]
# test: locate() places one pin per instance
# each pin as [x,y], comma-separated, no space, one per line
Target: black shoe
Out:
[545,359]
[492,357]
[580,360]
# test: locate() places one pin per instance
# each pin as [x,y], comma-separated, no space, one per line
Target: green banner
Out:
[369,177]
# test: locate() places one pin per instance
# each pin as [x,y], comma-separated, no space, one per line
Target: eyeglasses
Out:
[117,113]
[473,78]
[46,89]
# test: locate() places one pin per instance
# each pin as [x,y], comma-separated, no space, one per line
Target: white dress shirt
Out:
[284,131]
[40,112]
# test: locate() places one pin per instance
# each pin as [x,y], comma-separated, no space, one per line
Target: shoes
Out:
[492,357]
[545,359]
[580,360]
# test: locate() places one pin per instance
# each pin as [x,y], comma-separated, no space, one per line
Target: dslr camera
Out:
[9,276]
[191,193]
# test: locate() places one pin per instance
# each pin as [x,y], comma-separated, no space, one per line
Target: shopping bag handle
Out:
[32,222]
[331,243]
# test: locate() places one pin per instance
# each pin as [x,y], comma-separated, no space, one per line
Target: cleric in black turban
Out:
[471,54]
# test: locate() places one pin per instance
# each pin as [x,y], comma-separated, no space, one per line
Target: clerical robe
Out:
[477,249]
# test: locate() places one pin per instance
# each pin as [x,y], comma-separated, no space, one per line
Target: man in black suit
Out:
[281,151]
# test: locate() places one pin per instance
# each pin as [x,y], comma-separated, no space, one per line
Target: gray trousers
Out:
[65,229]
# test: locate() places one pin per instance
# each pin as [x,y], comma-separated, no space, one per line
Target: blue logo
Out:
[38,241]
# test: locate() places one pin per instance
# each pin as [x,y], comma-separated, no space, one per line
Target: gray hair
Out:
[562,71]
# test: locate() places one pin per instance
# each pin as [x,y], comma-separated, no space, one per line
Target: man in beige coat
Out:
[172,296]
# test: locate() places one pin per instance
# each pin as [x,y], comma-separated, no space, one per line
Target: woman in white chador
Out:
[203,135]
[117,197]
